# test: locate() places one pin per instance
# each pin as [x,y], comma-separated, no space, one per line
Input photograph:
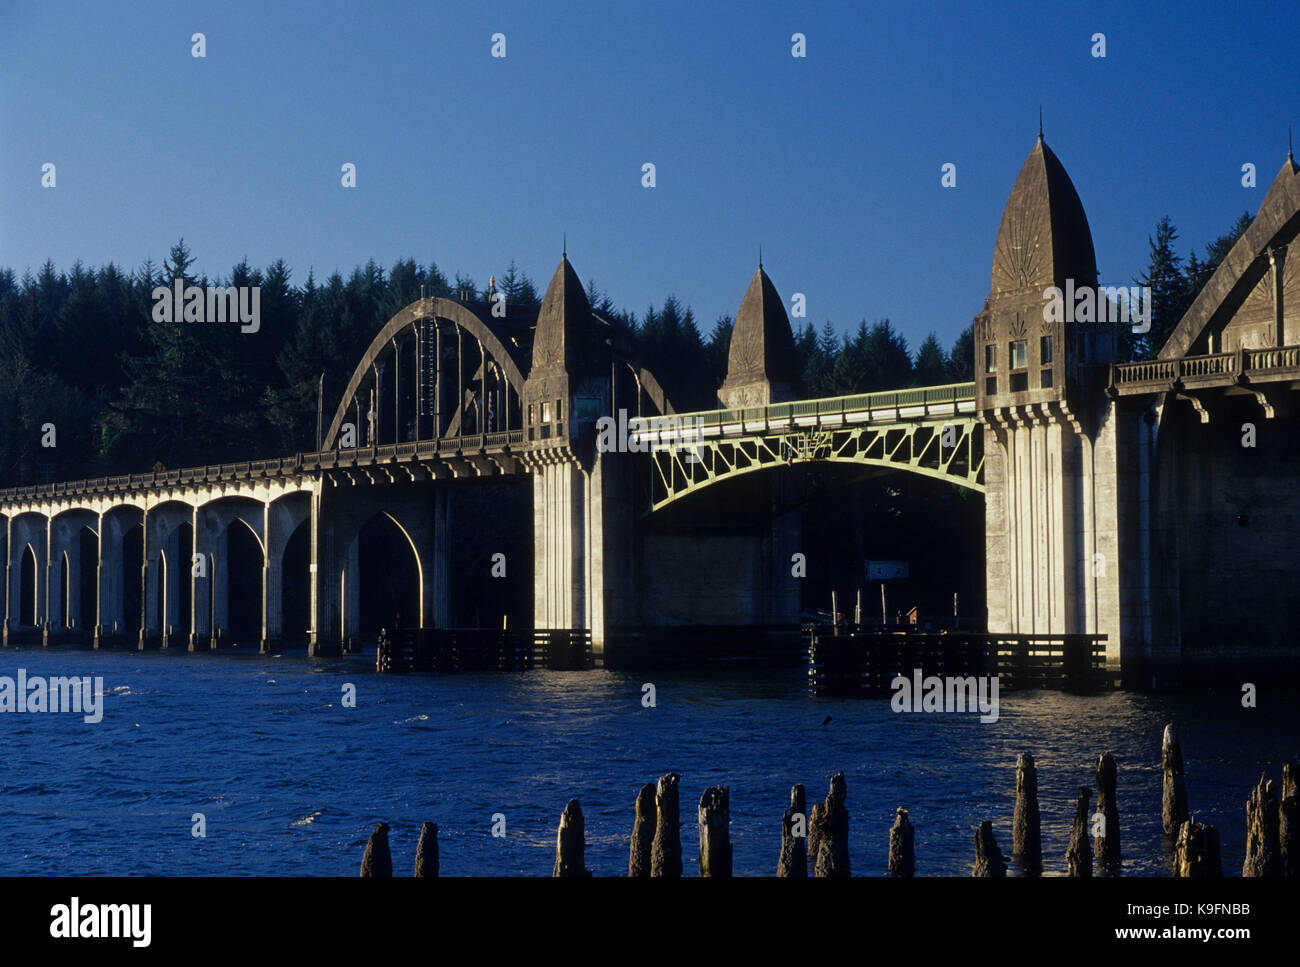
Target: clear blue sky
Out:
[831,162]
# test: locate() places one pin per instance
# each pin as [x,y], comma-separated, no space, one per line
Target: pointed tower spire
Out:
[760,359]
[1040,122]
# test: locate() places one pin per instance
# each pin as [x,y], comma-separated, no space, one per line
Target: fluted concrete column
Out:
[326,601]
[352,595]
[199,569]
[9,546]
[272,613]
[52,587]
[220,586]
[109,598]
[437,590]
[559,546]
[145,545]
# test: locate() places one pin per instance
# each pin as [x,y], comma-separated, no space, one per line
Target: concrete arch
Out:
[355,575]
[509,358]
[28,533]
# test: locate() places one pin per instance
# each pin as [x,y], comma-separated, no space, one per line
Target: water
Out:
[291,782]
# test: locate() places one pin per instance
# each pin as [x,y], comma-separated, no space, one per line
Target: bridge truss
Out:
[930,431]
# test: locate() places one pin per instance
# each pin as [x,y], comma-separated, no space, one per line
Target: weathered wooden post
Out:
[1078,857]
[1289,822]
[377,860]
[1263,851]
[1106,841]
[571,843]
[666,849]
[1026,834]
[715,832]
[832,857]
[989,860]
[643,832]
[902,858]
[426,852]
[1197,852]
[794,837]
[816,823]
[1173,807]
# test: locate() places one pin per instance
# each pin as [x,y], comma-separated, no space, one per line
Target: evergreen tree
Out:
[961,361]
[1164,276]
[931,368]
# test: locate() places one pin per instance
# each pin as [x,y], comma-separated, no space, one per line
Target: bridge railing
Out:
[1213,364]
[895,400]
[1284,357]
[272,466]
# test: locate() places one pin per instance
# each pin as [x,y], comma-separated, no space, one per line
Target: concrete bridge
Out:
[464,479]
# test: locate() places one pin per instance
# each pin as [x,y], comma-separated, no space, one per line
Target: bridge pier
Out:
[202,564]
[110,592]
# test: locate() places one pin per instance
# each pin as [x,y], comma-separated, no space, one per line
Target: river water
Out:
[290,780]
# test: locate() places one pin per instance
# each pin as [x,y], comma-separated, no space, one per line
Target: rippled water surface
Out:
[291,782]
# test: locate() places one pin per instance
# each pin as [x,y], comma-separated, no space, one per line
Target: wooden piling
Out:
[571,843]
[989,860]
[1288,827]
[1078,856]
[816,823]
[377,860]
[426,852]
[1026,834]
[1106,845]
[902,858]
[715,832]
[1173,808]
[832,823]
[1197,852]
[666,849]
[643,832]
[794,849]
[1263,850]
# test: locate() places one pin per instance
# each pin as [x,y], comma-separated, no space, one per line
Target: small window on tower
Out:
[1045,350]
[1019,354]
[990,358]
[546,412]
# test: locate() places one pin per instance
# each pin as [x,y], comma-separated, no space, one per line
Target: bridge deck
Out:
[449,450]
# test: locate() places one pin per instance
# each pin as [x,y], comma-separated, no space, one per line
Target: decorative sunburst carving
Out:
[1022,256]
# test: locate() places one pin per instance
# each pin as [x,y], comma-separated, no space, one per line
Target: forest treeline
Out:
[86,369]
